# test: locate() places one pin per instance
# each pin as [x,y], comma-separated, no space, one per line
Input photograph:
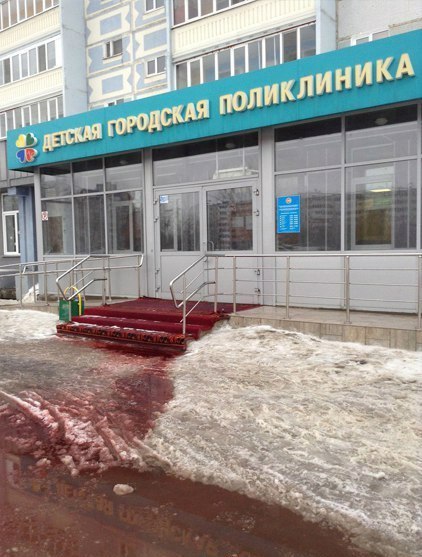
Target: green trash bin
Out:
[67,309]
[70,308]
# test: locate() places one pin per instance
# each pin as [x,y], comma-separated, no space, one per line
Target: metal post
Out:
[33,285]
[139,275]
[234,283]
[104,284]
[45,283]
[347,286]
[20,285]
[109,278]
[215,283]
[288,287]
[184,304]
[419,292]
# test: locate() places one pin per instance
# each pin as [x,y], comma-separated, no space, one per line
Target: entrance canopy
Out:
[365,76]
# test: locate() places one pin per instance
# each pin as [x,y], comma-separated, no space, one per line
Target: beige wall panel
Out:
[226,27]
[30,31]
[31,89]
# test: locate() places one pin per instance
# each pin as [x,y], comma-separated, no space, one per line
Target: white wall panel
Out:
[30,31]
[30,89]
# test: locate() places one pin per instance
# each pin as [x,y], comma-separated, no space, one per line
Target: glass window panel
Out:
[24,64]
[307,41]
[229,219]
[29,8]
[43,111]
[39,6]
[52,109]
[33,67]
[5,14]
[60,105]
[88,176]
[56,180]
[239,60]
[222,4]
[379,35]
[42,61]
[89,224]
[48,3]
[195,72]
[6,70]
[3,129]
[179,11]
[18,117]
[35,118]
[208,67]
[363,40]
[161,64]
[182,76]
[382,134]
[272,51]
[179,222]
[190,162]
[124,172]
[304,146]
[21,10]
[381,206]
[10,120]
[320,210]
[10,202]
[13,12]
[192,9]
[289,46]
[125,222]
[151,67]
[1,73]
[206,7]
[149,5]
[58,229]
[255,56]
[15,68]
[26,116]
[10,230]
[51,54]
[224,69]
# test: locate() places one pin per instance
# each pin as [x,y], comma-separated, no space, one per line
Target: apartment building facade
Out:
[325,141]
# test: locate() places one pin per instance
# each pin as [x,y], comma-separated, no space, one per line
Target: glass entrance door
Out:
[193,221]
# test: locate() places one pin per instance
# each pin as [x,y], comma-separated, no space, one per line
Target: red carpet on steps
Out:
[147,321]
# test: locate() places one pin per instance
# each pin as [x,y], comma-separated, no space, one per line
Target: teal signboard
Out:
[365,76]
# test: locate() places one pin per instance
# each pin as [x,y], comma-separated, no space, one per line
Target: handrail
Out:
[40,271]
[350,290]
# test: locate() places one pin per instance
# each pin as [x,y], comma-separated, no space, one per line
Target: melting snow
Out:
[330,430]
[24,325]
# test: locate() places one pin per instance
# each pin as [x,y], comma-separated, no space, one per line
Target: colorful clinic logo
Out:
[26,143]
[288,200]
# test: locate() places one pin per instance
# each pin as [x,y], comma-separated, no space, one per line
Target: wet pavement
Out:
[70,413]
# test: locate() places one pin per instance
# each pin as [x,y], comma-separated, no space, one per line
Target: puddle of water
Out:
[50,514]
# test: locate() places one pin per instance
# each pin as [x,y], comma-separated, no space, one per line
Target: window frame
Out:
[149,10]
[155,61]
[110,47]
[15,214]
[232,4]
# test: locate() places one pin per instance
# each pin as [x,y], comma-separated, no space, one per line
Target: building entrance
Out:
[192,221]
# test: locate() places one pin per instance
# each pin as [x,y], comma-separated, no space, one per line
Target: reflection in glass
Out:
[307,41]
[224,64]
[320,210]
[228,157]
[125,222]
[272,51]
[310,145]
[88,176]
[289,46]
[381,206]
[381,134]
[89,224]
[58,229]
[239,60]
[56,180]
[124,172]
[179,222]
[229,219]
[255,56]
[208,68]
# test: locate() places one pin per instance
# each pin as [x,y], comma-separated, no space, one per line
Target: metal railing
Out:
[53,277]
[384,282]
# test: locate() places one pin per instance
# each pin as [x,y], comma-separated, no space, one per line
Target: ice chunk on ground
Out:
[123,489]
[22,325]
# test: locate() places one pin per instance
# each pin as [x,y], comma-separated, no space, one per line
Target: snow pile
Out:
[22,325]
[330,430]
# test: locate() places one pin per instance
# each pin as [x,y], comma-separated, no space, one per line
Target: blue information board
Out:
[288,214]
